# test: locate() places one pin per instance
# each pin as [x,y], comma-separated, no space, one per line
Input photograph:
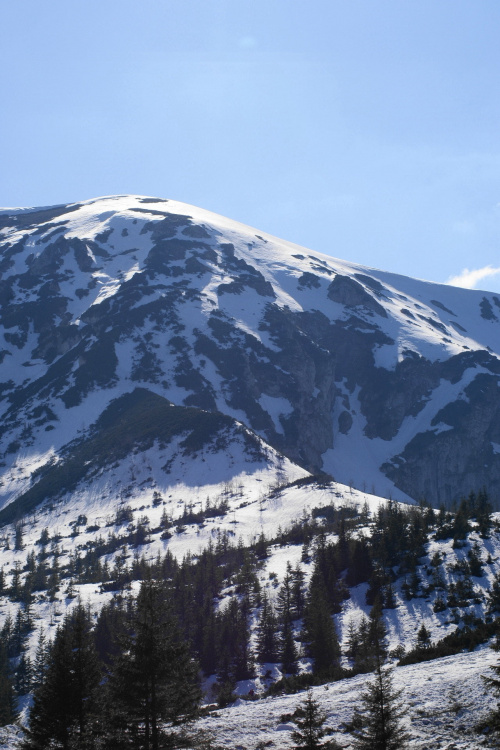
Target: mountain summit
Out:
[129,321]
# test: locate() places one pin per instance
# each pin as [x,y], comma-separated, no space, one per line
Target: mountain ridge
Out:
[327,361]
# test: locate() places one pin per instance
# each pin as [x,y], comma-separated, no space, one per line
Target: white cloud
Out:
[469,279]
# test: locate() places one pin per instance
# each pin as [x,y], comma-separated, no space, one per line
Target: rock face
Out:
[380,380]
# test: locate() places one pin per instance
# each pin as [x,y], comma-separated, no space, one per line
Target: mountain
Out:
[388,384]
[189,399]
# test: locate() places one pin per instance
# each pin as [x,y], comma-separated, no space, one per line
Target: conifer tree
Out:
[285,596]
[377,634]
[65,704]
[24,672]
[234,655]
[298,593]
[319,631]
[310,726]
[41,661]
[267,640]
[54,580]
[423,638]
[383,711]
[288,651]
[154,679]
[7,695]
[360,563]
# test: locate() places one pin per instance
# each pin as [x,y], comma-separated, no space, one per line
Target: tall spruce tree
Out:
[319,631]
[154,679]
[7,695]
[40,663]
[383,711]
[65,704]
[288,650]
[267,639]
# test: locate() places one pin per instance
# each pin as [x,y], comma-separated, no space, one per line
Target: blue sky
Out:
[366,130]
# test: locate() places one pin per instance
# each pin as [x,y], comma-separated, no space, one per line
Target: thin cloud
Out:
[469,279]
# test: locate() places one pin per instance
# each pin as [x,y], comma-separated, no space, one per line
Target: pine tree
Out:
[7,695]
[377,635]
[383,711]
[24,673]
[154,679]
[298,594]
[288,651]
[494,595]
[54,580]
[234,655]
[310,726]
[65,703]
[320,633]
[267,640]
[18,536]
[285,596]
[41,661]
[423,638]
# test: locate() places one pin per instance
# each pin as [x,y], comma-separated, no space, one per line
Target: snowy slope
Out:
[387,383]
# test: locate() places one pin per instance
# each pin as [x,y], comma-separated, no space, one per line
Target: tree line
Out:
[214,598]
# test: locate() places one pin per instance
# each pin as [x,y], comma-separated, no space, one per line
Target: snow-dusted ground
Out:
[432,691]
[446,698]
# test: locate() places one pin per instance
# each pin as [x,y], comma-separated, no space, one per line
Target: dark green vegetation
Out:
[310,726]
[210,601]
[381,727]
[116,684]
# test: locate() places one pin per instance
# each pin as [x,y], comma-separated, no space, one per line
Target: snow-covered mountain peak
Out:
[387,383]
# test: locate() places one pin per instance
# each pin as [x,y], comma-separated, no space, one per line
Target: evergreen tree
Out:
[423,638]
[15,589]
[383,712]
[154,679]
[360,563]
[267,640]
[18,536]
[285,596]
[24,674]
[65,703]
[494,595]
[376,636]
[298,594]
[7,695]
[40,664]
[54,580]
[234,655]
[310,726]
[320,633]
[483,513]
[288,651]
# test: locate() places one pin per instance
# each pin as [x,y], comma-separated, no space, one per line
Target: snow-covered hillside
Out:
[174,383]
[446,700]
[389,384]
